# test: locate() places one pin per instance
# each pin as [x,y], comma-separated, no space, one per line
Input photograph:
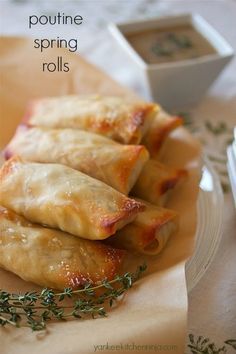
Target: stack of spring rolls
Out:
[82,187]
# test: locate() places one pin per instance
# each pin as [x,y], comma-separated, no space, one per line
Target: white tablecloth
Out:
[212,303]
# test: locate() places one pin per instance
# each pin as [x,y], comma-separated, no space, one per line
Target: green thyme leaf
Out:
[36,309]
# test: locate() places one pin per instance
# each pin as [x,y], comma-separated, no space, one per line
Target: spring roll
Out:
[156,181]
[149,232]
[53,258]
[61,197]
[158,131]
[115,117]
[112,163]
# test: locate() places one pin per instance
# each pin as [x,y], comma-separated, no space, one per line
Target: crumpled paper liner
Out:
[152,315]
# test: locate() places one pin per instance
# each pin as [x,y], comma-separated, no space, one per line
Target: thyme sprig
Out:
[35,309]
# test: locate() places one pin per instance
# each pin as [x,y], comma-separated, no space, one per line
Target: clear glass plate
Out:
[209,225]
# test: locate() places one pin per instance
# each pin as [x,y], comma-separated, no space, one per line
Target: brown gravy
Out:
[170,44]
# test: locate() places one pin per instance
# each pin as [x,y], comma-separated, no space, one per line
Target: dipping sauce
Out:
[170,44]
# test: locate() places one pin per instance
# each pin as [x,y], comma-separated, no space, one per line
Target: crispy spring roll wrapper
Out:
[53,258]
[156,181]
[112,163]
[61,197]
[160,128]
[149,232]
[115,117]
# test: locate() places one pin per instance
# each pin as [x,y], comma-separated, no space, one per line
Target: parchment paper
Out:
[153,313]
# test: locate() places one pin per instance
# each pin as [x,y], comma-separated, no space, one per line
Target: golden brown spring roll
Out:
[52,258]
[112,163]
[156,181]
[115,117]
[160,128]
[149,232]
[61,197]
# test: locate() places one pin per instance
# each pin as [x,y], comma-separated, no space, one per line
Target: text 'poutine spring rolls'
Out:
[61,197]
[115,117]
[156,181]
[115,164]
[160,128]
[149,232]
[53,258]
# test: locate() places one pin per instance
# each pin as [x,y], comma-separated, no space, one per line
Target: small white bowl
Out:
[182,83]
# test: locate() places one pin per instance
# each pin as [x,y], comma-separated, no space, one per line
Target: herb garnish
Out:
[161,50]
[170,44]
[34,309]
[181,41]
